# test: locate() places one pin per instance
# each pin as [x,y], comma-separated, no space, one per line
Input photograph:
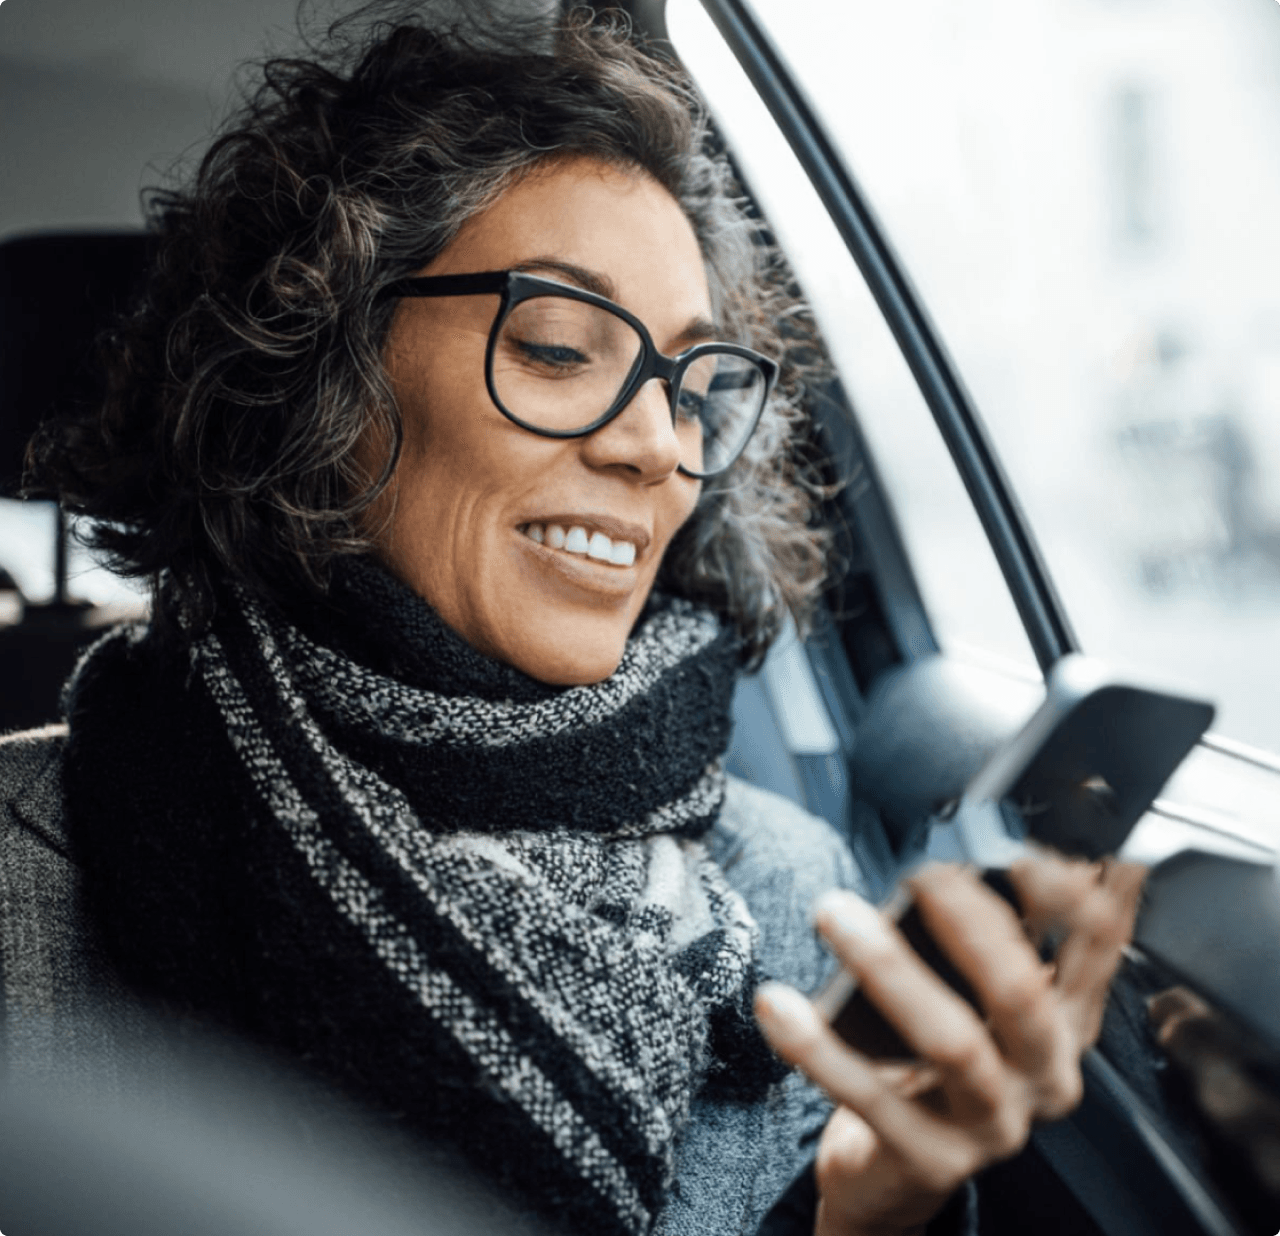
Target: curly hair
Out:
[239,388]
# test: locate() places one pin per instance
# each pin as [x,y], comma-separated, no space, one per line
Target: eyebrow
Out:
[588,280]
[698,330]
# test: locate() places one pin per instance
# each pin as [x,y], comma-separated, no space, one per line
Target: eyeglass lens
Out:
[560,364]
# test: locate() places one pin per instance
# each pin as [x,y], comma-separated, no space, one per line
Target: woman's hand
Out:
[903,1138]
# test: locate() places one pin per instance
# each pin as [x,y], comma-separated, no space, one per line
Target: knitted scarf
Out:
[478,902]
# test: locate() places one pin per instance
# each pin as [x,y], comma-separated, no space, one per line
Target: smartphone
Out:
[1077,777]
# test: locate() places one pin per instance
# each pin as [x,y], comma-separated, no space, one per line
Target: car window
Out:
[27,553]
[1084,193]
[967,601]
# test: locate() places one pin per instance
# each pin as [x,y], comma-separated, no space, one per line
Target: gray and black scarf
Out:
[475,901]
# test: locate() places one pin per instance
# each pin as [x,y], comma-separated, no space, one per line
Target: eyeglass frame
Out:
[516,286]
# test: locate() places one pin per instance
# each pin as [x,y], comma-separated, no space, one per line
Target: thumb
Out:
[847,1147]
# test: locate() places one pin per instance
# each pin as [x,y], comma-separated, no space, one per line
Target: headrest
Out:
[57,293]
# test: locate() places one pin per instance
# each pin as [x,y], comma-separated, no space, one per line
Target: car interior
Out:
[869,720]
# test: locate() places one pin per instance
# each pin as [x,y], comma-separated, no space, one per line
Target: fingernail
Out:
[783,1011]
[846,915]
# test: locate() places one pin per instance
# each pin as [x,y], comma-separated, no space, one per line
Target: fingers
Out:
[988,944]
[1019,1057]
[935,1021]
[848,1145]
[802,1038]
[1038,1019]
[1049,887]
[1097,904]
[939,1153]
[1057,893]
[908,1077]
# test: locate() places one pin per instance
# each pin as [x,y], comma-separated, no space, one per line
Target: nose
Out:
[641,439]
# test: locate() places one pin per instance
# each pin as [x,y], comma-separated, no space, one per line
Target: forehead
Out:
[621,225]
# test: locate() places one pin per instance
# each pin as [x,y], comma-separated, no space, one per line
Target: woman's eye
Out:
[691,406]
[554,356]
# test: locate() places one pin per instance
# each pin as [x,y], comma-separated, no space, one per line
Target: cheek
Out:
[442,443]
[684,502]
[413,496]
[435,385]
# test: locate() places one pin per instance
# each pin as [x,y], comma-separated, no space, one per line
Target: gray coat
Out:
[64,1012]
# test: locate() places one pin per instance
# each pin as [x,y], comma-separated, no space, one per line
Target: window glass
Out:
[1086,194]
[965,595]
[27,533]
[28,546]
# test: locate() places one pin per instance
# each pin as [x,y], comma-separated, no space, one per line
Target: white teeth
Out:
[600,547]
[577,541]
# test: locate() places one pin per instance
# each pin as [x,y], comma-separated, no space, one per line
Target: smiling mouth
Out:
[576,540]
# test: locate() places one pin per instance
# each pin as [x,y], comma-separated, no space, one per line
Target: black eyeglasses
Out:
[562,362]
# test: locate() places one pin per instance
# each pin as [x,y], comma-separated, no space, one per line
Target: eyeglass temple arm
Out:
[449,285]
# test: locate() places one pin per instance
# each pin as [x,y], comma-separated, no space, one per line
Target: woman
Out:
[450,439]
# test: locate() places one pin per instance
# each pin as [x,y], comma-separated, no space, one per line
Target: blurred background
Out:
[1087,195]
[1085,192]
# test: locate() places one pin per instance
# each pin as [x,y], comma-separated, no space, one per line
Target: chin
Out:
[574,658]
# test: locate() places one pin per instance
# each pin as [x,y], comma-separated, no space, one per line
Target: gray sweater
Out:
[64,1013]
